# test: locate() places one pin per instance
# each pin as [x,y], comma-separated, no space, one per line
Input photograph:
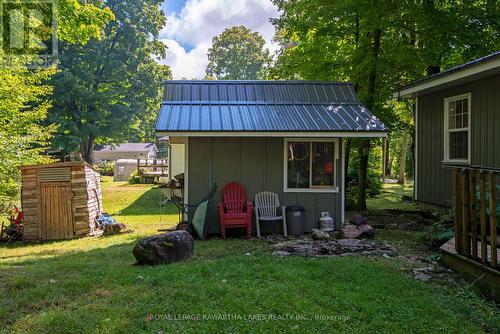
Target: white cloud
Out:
[186,65]
[200,20]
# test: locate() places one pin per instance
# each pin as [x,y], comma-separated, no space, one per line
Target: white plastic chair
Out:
[267,207]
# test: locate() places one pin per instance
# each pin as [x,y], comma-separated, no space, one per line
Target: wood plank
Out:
[465,213]
[458,210]
[473,212]
[493,226]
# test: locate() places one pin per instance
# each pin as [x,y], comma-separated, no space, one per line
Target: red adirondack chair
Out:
[235,210]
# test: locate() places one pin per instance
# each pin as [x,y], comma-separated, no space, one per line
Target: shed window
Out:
[457,128]
[311,165]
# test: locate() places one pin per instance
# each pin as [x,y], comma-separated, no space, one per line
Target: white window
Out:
[457,128]
[311,165]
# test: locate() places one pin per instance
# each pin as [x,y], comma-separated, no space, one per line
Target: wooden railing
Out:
[154,167]
[475,190]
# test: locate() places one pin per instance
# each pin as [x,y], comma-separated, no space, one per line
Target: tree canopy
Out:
[108,90]
[379,46]
[25,98]
[238,54]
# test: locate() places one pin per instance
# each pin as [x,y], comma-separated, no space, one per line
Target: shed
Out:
[60,200]
[281,136]
[123,169]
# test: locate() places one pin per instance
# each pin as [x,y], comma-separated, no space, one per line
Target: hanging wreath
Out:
[298,151]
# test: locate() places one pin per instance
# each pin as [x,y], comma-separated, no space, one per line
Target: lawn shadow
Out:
[149,203]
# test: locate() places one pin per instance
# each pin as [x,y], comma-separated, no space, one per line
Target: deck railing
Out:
[156,167]
[476,191]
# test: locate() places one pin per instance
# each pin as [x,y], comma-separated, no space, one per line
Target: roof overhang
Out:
[468,74]
[281,134]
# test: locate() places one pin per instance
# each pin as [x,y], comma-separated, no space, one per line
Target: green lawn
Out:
[391,197]
[91,285]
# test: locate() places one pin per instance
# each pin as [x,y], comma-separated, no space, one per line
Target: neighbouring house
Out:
[281,136]
[125,151]
[457,126]
[457,122]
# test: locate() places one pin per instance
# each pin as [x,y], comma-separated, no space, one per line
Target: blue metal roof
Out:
[263,106]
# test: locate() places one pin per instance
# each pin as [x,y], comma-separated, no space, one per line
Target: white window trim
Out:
[335,189]
[447,130]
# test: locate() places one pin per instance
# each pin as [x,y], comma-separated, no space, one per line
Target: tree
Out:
[25,100]
[108,90]
[379,46]
[238,54]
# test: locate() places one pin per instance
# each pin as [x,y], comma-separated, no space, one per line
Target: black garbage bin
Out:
[295,219]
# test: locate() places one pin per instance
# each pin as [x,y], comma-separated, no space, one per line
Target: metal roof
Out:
[127,147]
[263,106]
[453,74]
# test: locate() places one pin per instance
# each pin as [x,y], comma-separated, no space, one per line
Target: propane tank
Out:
[326,222]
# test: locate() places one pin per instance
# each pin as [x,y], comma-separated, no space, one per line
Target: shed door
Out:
[56,210]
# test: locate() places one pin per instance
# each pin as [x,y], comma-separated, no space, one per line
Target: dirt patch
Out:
[415,220]
[340,247]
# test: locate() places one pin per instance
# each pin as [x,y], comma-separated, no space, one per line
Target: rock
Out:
[319,234]
[404,226]
[358,220]
[281,253]
[422,277]
[357,232]
[111,229]
[164,248]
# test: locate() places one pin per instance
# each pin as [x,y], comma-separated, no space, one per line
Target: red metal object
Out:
[235,210]
[16,217]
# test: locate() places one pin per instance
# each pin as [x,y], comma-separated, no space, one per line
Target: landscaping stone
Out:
[358,220]
[350,231]
[404,226]
[334,248]
[281,253]
[164,248]
[422,277]
[319,234]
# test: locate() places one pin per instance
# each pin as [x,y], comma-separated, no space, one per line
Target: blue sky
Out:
[191,25]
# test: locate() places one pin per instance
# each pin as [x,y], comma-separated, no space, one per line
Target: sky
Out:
[191,25]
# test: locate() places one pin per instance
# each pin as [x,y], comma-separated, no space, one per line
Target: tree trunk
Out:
[87,149]
[364,154]
[364,148]
[402,157]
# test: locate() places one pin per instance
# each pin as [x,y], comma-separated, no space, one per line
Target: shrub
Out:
[134,178]
[105,167]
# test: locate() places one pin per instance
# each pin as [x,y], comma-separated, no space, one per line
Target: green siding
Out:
[257,163]
[433,181]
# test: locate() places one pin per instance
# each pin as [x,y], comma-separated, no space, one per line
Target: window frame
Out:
[335,188]
[447,129]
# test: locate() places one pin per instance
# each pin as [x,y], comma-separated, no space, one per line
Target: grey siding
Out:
[257,163]
[434,182]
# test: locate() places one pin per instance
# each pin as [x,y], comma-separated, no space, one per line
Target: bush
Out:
[439,232]
[105,167]
[134,178]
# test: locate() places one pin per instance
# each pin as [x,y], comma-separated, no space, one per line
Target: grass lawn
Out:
[91,285]
[391,196]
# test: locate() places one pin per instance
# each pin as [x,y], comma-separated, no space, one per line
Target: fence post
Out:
[493,225]
[473,212]
[484,233]
[465,212]
[458,211]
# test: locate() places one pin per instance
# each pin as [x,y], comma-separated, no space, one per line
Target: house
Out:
[457,122]
[125,151]
[457,126]
[280,136]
